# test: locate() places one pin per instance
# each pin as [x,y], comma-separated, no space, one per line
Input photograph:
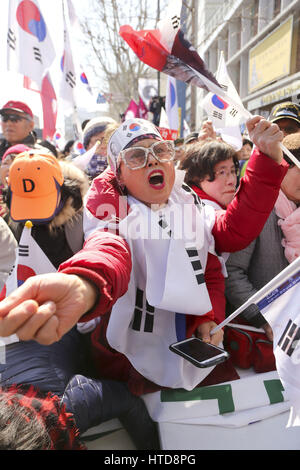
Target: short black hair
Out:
[201,159]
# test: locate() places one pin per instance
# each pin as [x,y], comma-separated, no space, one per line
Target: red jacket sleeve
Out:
[246,215]
[105,260]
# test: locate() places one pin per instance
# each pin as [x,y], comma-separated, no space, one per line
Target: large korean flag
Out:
[281,309]
[29,46]
[225,117]
[30,261]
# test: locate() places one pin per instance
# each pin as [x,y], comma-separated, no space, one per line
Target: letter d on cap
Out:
[28,185]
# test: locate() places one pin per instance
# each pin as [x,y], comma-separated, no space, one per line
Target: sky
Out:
[12,83]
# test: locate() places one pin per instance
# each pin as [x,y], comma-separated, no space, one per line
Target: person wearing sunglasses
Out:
[17,128]
[145,265]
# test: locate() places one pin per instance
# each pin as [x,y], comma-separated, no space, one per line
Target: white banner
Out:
[230,404]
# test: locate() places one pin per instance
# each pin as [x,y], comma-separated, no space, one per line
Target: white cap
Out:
[128,131]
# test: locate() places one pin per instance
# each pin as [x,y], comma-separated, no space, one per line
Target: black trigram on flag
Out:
[37,54]
[233,112]
[196,263]
[11,39]
[289,338]
[140,312]
[175,22]
[217,115]
[71,79]
[23,250]
[164,225]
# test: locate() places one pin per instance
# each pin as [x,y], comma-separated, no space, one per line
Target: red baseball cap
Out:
[17,106]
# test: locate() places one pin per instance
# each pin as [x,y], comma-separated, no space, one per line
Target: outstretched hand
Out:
[266,136]
[46,307]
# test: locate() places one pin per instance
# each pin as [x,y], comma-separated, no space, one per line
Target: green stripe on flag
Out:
[274,390]
[222,393]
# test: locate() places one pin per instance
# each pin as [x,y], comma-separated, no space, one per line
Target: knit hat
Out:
[15,149]
[128,131]
[286,110]
[96,126]
[16,106]
[35,182]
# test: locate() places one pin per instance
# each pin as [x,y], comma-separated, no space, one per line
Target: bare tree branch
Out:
[116,67]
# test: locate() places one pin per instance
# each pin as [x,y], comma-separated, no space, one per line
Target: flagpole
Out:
[287,273]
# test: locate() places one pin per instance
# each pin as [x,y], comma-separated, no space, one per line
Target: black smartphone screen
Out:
[198,350]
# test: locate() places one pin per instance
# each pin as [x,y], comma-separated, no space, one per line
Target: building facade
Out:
[260,40]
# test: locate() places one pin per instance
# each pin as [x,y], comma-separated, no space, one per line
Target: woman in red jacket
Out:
[98,278]
[211,170]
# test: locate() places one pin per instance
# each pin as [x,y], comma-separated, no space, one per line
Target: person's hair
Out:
[68,147]
[247,141]
[292,143]
[201,159]
[30,420]
[20,428]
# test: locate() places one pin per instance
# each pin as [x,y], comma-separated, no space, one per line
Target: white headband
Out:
[127,132]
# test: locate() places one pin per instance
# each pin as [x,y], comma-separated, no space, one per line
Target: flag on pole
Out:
[172,103]
[30,261]
[30,50]
[166,49]
[68,73]
[279,303]
[225,117]
[49,104]
[132,111]
[281,309]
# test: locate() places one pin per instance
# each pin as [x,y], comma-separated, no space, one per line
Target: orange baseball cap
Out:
[35,182]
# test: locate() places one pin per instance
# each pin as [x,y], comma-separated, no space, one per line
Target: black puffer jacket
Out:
[32,142]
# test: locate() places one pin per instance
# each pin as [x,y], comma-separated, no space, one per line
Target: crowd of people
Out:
[103,268]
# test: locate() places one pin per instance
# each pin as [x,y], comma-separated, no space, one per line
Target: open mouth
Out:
[156,179]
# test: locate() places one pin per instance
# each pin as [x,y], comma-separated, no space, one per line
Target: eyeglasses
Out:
[226,173]
[13,118]
[136,157]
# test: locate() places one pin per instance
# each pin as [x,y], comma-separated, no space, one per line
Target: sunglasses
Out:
[13,118]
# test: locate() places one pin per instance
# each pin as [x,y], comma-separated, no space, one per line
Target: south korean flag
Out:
[30,261]
[30,49]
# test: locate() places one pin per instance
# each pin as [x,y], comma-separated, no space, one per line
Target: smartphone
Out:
[199,353]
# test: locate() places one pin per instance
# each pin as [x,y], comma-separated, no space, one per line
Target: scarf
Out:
[289,222]
[167,282]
